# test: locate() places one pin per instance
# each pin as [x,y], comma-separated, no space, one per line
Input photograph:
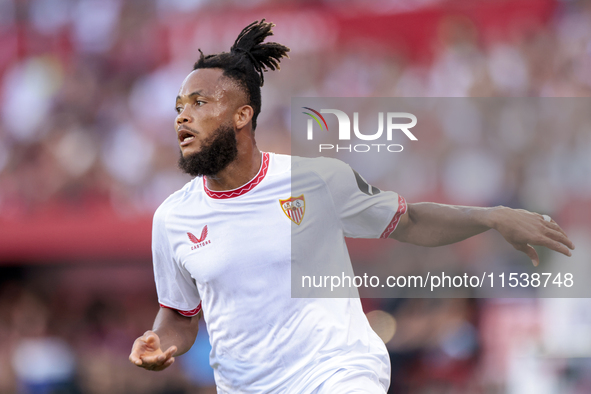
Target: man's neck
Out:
[237,173]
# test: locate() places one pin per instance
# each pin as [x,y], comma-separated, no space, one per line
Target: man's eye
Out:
[199,102]
[178,110]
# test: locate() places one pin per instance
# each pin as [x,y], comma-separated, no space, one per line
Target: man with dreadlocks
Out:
[223,243]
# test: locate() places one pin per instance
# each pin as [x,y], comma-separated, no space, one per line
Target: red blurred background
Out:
[87,153]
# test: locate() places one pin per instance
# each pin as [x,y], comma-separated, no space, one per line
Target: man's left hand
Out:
[522,229]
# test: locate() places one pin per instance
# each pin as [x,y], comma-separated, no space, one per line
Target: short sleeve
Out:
[363,210]
[175,287]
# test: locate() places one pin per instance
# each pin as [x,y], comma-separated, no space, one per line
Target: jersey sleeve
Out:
[175,287]
[364,211]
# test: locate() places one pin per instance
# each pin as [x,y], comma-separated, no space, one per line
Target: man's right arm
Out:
[173,332]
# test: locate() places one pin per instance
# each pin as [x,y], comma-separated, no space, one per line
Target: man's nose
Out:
[183,117]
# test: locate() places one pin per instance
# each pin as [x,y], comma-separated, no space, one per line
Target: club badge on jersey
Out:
[294,208]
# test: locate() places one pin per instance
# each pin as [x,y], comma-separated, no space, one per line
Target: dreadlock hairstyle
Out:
[248,58]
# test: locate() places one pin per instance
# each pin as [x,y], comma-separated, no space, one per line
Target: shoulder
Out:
[325,168]
[190,189]
[279,163]
[289,161]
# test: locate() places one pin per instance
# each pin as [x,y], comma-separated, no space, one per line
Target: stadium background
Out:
[87,152]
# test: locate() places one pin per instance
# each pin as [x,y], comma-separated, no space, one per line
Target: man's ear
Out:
[243,116]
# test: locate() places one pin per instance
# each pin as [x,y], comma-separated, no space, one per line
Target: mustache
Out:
[187,128]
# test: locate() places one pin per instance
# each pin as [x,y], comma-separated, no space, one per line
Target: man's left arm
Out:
[431,224]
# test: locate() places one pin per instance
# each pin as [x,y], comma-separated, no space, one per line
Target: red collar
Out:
[244,188]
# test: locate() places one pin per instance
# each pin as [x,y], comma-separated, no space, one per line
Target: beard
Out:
[217,153]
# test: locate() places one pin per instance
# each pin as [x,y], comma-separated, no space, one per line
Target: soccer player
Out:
[222,245]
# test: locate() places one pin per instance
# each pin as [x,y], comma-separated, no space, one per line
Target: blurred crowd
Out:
[69,330]
[87,92]
[87,87]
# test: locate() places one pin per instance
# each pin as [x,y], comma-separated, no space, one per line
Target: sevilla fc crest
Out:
[294,208]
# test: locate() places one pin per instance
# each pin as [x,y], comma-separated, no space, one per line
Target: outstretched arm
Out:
[173,332]
[431,224]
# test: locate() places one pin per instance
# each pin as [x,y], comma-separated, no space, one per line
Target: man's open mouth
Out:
[185,137]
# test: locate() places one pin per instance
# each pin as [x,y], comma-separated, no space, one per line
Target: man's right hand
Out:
[146,353]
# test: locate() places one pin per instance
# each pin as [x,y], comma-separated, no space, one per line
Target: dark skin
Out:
[207,100]
[430,224]
[171,331]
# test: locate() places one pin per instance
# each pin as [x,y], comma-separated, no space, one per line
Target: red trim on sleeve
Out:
[190,313]
[244,188]
[394,222]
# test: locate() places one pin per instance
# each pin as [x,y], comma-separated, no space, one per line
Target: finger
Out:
[570,243]
[554,226]
[152,360]
[563,239]
[150,338]
[529,251]
[151,341]
[134,358]
[553,245]
[168,363]
[163,366]
[167,354]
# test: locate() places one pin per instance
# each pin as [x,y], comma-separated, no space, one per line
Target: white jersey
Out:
[230,253]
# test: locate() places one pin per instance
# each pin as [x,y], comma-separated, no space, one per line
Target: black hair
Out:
[248,58]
